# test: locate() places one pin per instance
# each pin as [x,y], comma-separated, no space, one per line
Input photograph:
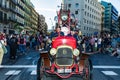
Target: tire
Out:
[40,74]
[87,70]
[38,69]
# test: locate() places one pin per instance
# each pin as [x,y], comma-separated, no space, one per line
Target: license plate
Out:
[64,70]
[68,70]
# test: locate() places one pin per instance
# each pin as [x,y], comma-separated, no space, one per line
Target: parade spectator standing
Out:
[117,51]
[31,41]
[92,43]
[36,43]
[114,42]
[2,43]
[22,44]
[13,47]
[96,43]
[99,43]
[40,40]
[27,37]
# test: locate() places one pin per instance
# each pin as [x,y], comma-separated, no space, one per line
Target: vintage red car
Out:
[68,62]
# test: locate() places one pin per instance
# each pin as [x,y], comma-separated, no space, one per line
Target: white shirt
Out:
[99,41]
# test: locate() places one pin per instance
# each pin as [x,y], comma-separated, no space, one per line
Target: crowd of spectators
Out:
[22,43]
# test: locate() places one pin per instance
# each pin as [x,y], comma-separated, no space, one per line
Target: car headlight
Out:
[53,51]
[76,52]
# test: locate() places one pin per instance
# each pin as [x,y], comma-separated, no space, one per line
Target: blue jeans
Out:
[22,48]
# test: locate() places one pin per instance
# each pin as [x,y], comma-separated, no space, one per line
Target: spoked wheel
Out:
[41,74]
[87,70]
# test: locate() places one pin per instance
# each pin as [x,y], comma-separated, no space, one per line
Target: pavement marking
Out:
[18,66]
[33,72]
[110,67]
[13,72]
[109,73]
[34,66]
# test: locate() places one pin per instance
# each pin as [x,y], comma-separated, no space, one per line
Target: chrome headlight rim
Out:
[76,52]
[53,51]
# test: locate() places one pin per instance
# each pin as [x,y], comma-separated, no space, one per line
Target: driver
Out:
[56,33]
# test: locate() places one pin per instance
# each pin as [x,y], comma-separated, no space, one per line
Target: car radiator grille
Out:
[64,57]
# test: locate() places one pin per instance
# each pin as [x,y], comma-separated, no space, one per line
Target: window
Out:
[88,7]
[84,27]
[87,22]
[85,13]
[84,20]
[1,16]
[77,5]
[69,5]
[88,14]
[76,12]
[5,16]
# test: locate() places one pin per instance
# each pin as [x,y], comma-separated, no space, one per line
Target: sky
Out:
[48,8]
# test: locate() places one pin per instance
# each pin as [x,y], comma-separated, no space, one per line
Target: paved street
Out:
[105,66]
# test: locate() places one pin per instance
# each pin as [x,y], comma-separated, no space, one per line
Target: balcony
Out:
[20,6]
[11,19]
[14,1]
[23,1]
[13,10]
[4,7]
[4,21]
[20,14]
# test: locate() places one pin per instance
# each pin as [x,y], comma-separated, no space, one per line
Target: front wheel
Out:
[41,74]
[40,68]
[87,70]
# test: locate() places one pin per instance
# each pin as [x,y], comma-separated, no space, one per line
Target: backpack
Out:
[21,40]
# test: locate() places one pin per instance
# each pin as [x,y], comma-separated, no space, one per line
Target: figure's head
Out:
[58,28]
[72,30]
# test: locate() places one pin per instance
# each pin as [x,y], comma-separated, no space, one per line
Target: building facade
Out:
[88,14]
[34,18]
[111,17]
[4,16]
[42,25]
[17,15]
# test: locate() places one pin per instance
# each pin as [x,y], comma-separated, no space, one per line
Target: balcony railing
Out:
[4,7]
[14,1]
